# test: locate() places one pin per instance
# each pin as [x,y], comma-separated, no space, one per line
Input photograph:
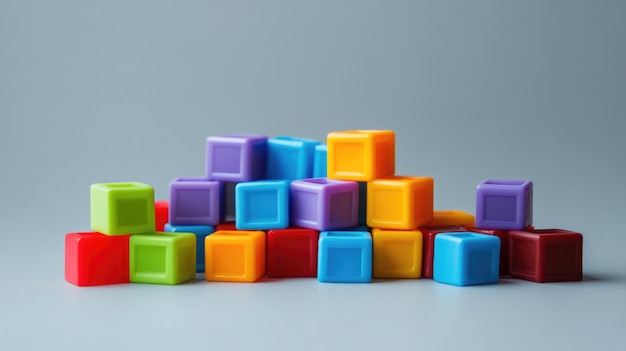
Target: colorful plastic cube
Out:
[324,204]
[236,157]
[546,255]
[504,204]
[235,256]
[344,257]
[320,161]
[361,155]
[96,259]
[504,245]
[262,205]
[466,258]
[194,201]
[201,232]
[428,247]
[400,202]
[443,218]
[122,208]
[290,158]
[397,253]
[162,258]
[161,214]
[292,252]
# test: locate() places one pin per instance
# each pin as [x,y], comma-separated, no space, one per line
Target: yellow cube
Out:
[450,218]
[396,253]
[361,155]
[234,256]
[400,202]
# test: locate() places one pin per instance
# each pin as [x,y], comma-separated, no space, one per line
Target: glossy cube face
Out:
[361,155]
[400,202]
[290,158]
[466,258]
[428,246]
[504,245]
[161,214]
[344,257]
[324,204]
[201,232]
[320,161]
[292,252]
[96,259]
[443,218]
[235,256]
[262,205]
[548,255]
[504,204]
[122,208]
[236,158]
[194,201]
[397,253]
[162,258]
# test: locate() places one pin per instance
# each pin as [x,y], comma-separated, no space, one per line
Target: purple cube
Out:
[504,204]
[236,157]
[194,201]
[324,204]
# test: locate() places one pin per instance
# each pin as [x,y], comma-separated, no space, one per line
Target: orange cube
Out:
[449,218]
[234,256]
[397,253]
[400,202]
[361,155]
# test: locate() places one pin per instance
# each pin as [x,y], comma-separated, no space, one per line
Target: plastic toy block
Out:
[162,258]
[324,204]
[122,208]
[397,253]
[504,204]
[228,202]
[161,214]
[96,259]
[201,232]
[504,245]
[292,252]
[194,201]
[546,255]
[235,256]
[466,258]
[443,218]
[344,257]
[362,203]
[361,155]
[400,202]
[236,157]
[320,161]
[290,158]
[226,226]
[428,246]
[262,205]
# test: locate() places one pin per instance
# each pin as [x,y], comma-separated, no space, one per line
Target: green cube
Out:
[162,258]
[122,208]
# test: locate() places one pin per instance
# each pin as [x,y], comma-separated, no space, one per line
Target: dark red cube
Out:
[292,252]
[428,246]
[504,245]
[226,226]
[96,259]
[161,214]
[546,255]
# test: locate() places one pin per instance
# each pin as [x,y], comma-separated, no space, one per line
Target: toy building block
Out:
[228,201]
[344,257]
[201,232]
[400,202]
[194,201]
[262,205]
[361,155]
[292,252]
[397,253]
[428,246]
[324,204]
[504,204]
[236,157]
[320,161]
[235,256]
[290,158]
[444,218]
[504,245]
[362,220]
[96,259]
[122,208]
[161,214]
[466,258]
[162,258]
[546,255]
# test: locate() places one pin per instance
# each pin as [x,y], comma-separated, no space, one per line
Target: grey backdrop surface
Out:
[128,90]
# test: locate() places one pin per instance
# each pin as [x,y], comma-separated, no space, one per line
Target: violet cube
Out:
[236,157]
[194,201]
[324,204]
[504,204]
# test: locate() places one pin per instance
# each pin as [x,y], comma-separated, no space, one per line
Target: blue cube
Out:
[290,158]
[262,205]
[201,232]
[320,161]
[465,258]
[344,257]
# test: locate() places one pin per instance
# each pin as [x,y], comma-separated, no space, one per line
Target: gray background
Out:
[95,91]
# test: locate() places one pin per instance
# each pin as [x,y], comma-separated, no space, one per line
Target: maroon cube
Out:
[546,255]
[504,245]
[428,246]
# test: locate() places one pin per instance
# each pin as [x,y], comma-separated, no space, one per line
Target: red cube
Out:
[504,245]
[96,259]
[428,246]
[226,226]
[546,255]
[292,252]
[161,214]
